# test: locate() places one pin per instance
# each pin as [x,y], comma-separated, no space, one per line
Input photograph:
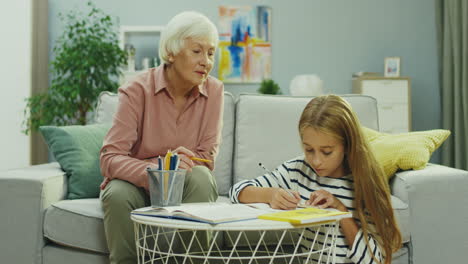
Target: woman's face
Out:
[195,61]
[323,152]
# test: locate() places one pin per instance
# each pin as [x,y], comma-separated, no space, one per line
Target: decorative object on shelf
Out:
[156,61]
[363,74]
[146,63]
[87,59]
[145,41]
[130,50]
[306,85]
[245,44]
[392,67]
[269,86]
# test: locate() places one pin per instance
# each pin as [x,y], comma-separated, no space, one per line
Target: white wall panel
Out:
[15,80]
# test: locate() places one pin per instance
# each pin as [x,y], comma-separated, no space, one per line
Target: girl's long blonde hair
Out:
[332,115]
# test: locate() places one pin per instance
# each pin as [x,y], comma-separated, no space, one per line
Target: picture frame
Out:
[392,67]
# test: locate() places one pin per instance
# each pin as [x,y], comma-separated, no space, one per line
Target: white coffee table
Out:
[180,249]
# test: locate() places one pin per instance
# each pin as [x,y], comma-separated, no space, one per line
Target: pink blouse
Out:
[146,126]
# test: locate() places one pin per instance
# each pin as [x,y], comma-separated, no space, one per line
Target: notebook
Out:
[211,213]
[306,215]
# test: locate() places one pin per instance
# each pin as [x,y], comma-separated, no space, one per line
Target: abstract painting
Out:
[245,44]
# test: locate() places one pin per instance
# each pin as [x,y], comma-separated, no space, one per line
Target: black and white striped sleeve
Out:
[276,178]
[360,252]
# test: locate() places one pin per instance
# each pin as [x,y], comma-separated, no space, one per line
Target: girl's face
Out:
[324,153]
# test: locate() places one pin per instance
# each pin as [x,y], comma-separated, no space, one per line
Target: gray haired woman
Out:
[176,106]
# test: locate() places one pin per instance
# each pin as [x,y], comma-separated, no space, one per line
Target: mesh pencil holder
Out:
[166,187]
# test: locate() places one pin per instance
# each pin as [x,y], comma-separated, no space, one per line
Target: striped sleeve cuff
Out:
[357,240]
[237,188]
[361,253]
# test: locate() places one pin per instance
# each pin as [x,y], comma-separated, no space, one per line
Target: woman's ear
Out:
[170,58]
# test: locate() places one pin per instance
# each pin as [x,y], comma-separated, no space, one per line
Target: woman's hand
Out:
[104,183]
[184,155]
[281,199]
[324,199]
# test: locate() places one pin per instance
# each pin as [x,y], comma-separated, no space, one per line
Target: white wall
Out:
[15,80]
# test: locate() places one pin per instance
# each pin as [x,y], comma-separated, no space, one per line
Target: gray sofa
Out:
[38,226]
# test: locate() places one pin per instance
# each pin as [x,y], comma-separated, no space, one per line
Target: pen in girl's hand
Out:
[290,193]
[287,190]
[300,204]
[263,167]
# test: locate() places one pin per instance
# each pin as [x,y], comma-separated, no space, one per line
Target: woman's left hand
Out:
[324,199]
[104,183]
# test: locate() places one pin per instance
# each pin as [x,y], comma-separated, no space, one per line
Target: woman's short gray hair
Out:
[188,24]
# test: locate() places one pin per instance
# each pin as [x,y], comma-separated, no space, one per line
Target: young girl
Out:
[338,170]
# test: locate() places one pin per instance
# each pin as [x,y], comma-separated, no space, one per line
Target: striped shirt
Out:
[298,176]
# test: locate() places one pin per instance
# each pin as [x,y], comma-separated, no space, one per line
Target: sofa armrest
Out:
[438,201]
[24,195]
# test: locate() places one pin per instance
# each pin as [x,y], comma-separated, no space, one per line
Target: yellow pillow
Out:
[404,151]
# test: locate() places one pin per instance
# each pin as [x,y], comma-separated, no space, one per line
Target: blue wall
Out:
[331,38]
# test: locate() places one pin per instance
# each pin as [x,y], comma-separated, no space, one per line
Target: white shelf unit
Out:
[125,30]
[393,96]
[125,33]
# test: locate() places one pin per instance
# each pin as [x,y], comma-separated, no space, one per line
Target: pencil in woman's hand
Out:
[200,159]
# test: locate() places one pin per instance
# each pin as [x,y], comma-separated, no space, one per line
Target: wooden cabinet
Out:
[393,101]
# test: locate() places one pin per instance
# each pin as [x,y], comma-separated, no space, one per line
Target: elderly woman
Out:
[176,106]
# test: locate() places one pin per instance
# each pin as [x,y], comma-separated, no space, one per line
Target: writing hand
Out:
[282,199]
[324,199]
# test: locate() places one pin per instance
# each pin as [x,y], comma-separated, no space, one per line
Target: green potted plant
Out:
[269,86]
[87,61]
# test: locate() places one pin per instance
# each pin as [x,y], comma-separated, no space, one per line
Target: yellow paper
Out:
[306,215]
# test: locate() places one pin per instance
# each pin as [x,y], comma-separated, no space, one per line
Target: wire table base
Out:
[160,240]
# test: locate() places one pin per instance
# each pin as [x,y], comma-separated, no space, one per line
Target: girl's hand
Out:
[324,199]
[281,199]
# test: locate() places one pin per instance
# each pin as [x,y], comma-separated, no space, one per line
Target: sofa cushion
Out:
[54,254]
[107,106]
[266,129]
[79,224]
[223,163]
[402,216]
[76,148]
[76,223]
[406,151]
